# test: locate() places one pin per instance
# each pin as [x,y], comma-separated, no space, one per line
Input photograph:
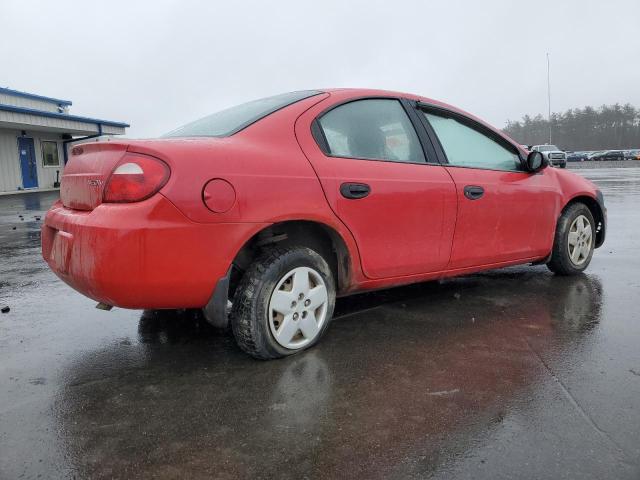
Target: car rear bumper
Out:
[140,255]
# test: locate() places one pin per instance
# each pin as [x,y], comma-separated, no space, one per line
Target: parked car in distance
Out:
[608,155]
[552,154]
[279,205]
[577,156]
[632,154]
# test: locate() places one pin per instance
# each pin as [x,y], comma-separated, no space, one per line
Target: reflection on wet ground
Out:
[510,373]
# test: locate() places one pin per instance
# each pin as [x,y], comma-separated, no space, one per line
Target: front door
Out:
[400,209]
[504,213]
[28,164]
[513,219]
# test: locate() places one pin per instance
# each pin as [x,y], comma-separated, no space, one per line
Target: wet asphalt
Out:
[509,374]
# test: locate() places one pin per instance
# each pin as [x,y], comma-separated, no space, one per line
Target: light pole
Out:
[549,95]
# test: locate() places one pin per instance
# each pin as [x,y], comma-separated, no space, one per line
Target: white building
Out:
[34,135]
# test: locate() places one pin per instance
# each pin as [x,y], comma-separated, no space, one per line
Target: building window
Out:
[50,154]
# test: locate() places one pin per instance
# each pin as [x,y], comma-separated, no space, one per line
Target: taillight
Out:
[135,178]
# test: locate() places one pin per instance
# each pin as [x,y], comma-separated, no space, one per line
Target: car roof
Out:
[372,92]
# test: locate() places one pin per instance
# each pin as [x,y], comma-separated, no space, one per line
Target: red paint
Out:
[140,255]
[515,218]
[169,250]
[219,195]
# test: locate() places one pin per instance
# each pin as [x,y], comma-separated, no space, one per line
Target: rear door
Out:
[504,212]
[384,185]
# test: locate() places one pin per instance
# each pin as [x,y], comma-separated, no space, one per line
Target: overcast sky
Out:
[159,64]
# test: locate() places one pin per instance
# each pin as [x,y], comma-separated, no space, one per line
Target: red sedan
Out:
[279,205]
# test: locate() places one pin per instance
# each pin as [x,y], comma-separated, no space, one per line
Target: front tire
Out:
[574,241]
[284,303]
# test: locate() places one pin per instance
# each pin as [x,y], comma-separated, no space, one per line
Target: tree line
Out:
[605,128]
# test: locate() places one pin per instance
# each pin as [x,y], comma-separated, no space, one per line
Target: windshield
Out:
[547,148]
[232,120]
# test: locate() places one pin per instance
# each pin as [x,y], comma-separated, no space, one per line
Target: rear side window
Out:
[232,120]
[373,129]
[467,147]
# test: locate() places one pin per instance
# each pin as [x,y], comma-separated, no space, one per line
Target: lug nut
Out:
[307,302]
[304,314]
[293,304]
[295,316]
[301,296]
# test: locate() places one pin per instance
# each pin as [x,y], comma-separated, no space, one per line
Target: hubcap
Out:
[580,240]
[298,308]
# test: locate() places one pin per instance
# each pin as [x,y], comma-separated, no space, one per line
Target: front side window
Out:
[232,120]
[50,154]
[372,129]
[467,147]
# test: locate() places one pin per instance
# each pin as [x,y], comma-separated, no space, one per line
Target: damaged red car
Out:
[262,214]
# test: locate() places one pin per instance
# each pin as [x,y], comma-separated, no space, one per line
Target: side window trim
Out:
[318,135]
[431,134]
[468,122]
[428,150]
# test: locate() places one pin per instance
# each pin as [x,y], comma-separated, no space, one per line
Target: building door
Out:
[28,165]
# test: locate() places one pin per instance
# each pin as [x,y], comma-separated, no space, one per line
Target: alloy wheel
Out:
[298,308]
[580,240]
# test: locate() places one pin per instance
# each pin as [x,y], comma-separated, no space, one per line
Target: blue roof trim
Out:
[61,116]
[17,93]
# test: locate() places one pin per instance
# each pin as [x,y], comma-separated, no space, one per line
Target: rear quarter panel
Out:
[264,164]
[272,179]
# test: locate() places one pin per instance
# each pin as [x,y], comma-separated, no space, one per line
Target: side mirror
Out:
[535,162]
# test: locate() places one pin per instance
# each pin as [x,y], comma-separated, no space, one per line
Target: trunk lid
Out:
[86,173]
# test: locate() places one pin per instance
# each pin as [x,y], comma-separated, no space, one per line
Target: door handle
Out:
[355,190]
[473,192]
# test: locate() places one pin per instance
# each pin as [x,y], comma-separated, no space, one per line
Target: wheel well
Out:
[317,236]
[596,211]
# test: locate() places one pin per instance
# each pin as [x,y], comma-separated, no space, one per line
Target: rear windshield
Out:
[232,120]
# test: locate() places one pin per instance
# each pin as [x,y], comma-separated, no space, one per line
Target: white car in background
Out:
[553,154]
